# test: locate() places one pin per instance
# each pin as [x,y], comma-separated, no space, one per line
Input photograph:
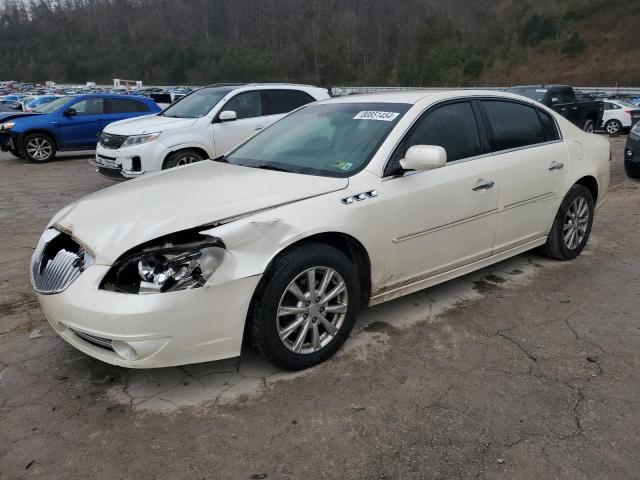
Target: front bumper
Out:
[7,142]
[155,330]
[129,162]
[632,155]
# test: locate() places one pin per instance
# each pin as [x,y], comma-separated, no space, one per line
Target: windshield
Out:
[335,139]
[52,106]
[197,104]
[533,93]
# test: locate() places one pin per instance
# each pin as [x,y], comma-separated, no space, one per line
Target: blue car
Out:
[67,123]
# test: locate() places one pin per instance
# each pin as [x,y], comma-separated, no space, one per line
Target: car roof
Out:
[107,95]
[550,85]
[415,96]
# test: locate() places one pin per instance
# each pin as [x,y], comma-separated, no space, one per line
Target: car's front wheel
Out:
[38,148]
[589,126]
[181,157]
[572,225]
[613,127]
[305,306]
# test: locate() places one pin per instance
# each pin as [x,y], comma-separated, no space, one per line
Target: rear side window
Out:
[452,127]
[549,126]
[514,125]
[125,105]
[283,101]
[246,105]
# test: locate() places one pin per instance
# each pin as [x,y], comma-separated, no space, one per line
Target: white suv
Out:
[204,124]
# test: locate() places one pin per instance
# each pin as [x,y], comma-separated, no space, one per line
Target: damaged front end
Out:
[179,261]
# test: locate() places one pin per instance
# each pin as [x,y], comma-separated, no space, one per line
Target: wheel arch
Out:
[42,131]
[347,244]
[591,184]
[180,148]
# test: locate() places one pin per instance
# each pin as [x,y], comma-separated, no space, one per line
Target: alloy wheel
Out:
[576,222]
[312,310]
[613,127]
[39,148]
[186,160]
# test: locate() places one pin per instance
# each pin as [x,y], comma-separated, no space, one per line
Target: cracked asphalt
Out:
[527,370]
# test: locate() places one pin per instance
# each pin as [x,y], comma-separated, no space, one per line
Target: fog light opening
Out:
[124,350]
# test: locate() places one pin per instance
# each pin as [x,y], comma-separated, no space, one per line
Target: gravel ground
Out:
[527,369]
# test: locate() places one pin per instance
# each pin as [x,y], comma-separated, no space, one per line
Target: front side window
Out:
[514,125]
[197,104]
[246,105]
[452,127]
[283,101]
[90,106]
[334,140]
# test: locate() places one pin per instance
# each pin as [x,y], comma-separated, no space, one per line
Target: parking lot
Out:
[527,370]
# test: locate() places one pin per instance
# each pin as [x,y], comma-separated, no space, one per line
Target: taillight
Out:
[628,112]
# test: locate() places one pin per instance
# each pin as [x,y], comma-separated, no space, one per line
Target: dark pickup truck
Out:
[585,114]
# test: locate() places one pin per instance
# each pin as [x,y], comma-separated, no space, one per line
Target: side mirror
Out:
[227,116]
[70,112]
[424,157]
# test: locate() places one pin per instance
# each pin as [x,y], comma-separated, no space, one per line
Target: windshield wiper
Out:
[221,159]
[266,166]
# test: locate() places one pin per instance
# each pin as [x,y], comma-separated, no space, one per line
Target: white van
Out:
[204,124]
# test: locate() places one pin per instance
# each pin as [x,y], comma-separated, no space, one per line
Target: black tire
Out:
[263,314]
[181,157]
[589,126]
[556,246]
[632,172]
[613,127]
[38,148]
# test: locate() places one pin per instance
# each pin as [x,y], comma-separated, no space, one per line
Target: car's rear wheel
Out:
[613,127]
[305,306]
[181,157]
[38,148]
[589,126]
[572,225]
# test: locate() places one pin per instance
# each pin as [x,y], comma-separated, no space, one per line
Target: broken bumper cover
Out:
[155,330]
[129,162]
[7,142]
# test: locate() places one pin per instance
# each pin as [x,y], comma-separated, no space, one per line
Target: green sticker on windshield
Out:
[343,165]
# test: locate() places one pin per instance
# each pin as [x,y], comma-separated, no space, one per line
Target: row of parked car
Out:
[134,136]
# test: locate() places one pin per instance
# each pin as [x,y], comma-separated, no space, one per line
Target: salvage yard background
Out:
[524,370]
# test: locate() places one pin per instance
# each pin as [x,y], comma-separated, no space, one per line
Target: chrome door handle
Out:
[483,185]
[556,165]
[259,127]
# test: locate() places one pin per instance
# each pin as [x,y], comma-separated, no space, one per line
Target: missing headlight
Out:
[176,262]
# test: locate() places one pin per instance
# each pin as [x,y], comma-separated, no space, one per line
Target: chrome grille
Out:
[57,262]
[107,140]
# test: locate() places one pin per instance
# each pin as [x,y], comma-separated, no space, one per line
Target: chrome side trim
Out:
[529,200]
[526,147]
[442,227]
[418,283]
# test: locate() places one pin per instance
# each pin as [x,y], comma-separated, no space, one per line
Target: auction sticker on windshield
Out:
[384,116]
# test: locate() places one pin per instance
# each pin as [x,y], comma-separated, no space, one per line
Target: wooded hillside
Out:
[326,42]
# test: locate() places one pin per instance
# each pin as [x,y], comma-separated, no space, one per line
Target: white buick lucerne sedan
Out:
[342,204]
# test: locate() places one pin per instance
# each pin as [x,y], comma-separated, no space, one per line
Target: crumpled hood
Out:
[148,124]
[118,218]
